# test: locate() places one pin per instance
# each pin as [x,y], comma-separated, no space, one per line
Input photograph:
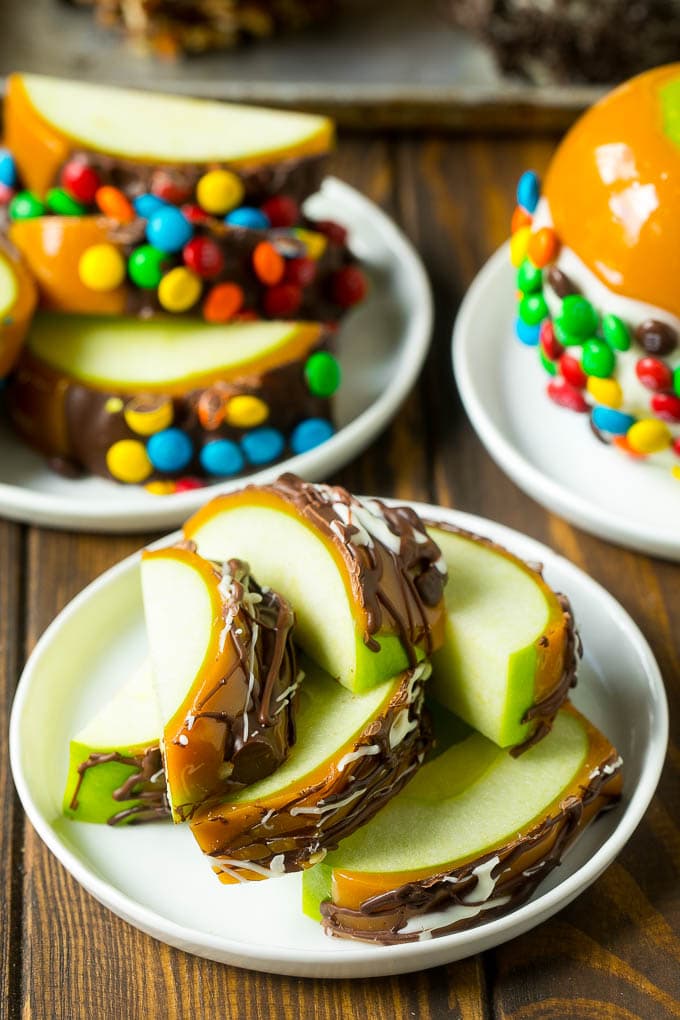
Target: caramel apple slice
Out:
[47,120]
[469,838]
[352,754]
[115,773]
[17,303]
[225,674]
[365,579]
[510,650]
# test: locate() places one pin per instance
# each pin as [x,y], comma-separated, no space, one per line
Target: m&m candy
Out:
[520,218]
[113,203]
[170,450]
[654,374]
[281,211]
[282,301]
[263,445]
[160,487]
[605,391]
[218,191]
[127,461]
[80,180]
[300,271]
[548,365]
[676,380]
[147,204]
[168,229]
[223,302]
[6,194]
[598,358]
[323,374]
[188,484]
[533,309]
[615,332]
[247,217]
[171,185]
[563,393]
[656,337]
[245,411]
[8,173]
[222,457]
[549,342]
[648,436]
[608,419]
[528,190]
[577,316]
[349,286]
[146,266]
[146,415]
[62,204]
[529,277]
[571,370]
[528,334]
[666,406]
[25,206]
[309,434]
[101,267]
[519,245]
[179,290]
[268,264]
[543,246]
[204,256]
[334,232]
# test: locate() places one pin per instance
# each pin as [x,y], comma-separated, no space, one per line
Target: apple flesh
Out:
[506,637]
[48,118]
[17,304]
[126,727]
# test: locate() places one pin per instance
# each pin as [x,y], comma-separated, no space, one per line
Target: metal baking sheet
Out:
[380,63]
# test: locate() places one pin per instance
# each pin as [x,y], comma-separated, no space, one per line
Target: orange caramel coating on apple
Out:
[14,323]
[613,188]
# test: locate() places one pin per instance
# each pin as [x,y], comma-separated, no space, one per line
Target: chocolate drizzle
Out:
[145,785]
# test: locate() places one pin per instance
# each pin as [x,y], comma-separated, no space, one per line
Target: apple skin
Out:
[16,307]
[95,800]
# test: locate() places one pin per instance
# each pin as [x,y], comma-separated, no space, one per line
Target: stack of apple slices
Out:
[399,837]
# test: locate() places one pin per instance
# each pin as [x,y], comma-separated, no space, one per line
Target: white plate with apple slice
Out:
[170,891]
[382,347]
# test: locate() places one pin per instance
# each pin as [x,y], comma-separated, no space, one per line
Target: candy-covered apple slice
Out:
[225,674]
[49,120]
[17,303]
[352,754]
[115,771]
[510,650]
[365,579]
[469,838]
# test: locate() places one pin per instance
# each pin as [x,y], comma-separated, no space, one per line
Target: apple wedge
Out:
[17,303]
[352,754]
[115,771]
[49,119]
[510,650]
[225,674]
[365,579]
[469,838]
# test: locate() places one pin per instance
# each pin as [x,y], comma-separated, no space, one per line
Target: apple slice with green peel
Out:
[470,836]
[115,771]
[225,674]
[48,119]
[17,303]
[352,754]
[365,580]
[164,355]
[509,654]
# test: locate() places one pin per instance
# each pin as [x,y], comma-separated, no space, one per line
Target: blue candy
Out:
[607,419]
[249,217]
[170,450]
[8,172]
[222,457]
[168,229]
[310,433]
[527,334]
[528,190]
[146,205]
[261,446]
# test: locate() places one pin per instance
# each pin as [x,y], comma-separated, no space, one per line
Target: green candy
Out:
[146,266]
[533,309]
[323,374]
[529,277]
[577,316]
[598,359]
[565,338]
[548,365]
[616,332]
[25,206]
[676,380]
[61,203]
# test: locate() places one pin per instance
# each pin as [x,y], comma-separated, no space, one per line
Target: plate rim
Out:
[59,511]
[361,961]
[547,491]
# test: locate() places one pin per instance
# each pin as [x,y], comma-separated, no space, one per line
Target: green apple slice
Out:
[154,127]
[162,354]
[507,645]
[474,817]
[126,731]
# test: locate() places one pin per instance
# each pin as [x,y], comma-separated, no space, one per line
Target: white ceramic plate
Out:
[155,877]
[381,349]
[548,451]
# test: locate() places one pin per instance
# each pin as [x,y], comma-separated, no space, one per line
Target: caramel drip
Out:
[146,785]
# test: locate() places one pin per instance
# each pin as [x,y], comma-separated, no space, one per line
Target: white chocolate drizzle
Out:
[476,901]
[361,752]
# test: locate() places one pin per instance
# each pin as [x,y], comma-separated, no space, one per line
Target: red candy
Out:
[172,191]
[81,181]
[566,395]
[349,286]
[283,301]
[204,257]
[332,230]
[187,484]
[572,371]
[281,211]
[666,406]
[6,194]
[194,213]
[247,315]
[301,272]
[552,348]
[676,446]
[654,374]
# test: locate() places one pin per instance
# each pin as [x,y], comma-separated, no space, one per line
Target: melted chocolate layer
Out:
[145,784]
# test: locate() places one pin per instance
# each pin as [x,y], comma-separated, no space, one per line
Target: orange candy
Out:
[223,302]
[520,218]
[268,264]
[114,204]
[543,247]
[622,443]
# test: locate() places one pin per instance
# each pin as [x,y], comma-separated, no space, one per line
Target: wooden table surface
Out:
[615,952]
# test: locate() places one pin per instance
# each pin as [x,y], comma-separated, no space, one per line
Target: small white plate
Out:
[548,451]
[382,347]
[155,877]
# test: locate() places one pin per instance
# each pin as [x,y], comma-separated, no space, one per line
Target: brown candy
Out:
[560,283]
[656,337]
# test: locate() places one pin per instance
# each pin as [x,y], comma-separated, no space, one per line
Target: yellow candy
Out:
[649,436]
[218,191]
[605,391]
[315,244]
[179,290]
[146,415]
[675,471]
[113,405]
[245,412]
[101,267]
[160,488]
[127,461]
[519,244]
